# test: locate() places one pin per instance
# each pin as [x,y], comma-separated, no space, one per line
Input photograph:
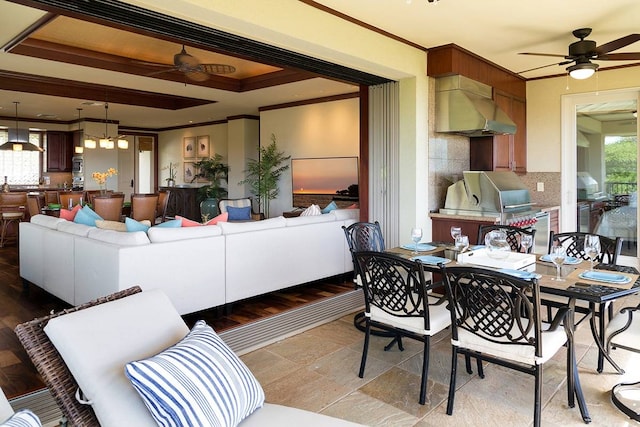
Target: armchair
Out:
[224,204]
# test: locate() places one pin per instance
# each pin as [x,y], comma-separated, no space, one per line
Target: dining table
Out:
[580,283]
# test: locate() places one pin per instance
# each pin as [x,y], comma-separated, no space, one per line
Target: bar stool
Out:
[12,206]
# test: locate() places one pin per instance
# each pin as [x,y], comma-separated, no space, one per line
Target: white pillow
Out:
[199,381]
[22,418]
[311,211]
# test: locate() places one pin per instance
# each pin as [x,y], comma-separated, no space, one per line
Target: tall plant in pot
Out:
[263,174]
[214,170]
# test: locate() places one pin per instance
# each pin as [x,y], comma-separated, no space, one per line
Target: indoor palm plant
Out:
[263,174]
[214,170]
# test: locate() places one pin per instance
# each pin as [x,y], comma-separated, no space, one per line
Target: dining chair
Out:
[89,195]
[70,196]
[161,209]
[34,204]
[109,206]
[495,317]
[12,208]
[574,245]
[143,206]
[398,299]
[514,235]
[51,197]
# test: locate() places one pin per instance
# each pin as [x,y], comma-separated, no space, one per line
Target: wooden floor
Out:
[17,374]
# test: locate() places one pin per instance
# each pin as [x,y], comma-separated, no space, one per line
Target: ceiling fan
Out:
[583,51]
[191,67]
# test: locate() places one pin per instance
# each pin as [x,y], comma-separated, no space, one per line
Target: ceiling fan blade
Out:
[166,70]
[151,64]
[545,66]
[627,56]
[542,54]
[197,76]
[617,44]
[218,68]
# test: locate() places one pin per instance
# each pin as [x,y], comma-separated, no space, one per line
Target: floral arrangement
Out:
[101,177]
[173,171]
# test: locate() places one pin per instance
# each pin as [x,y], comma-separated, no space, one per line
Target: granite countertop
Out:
[477,218]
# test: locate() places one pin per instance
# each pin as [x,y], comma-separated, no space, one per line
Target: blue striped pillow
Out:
[22,418]
[198,381]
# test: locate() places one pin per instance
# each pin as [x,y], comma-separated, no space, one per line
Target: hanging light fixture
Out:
[107,142]
[19,141]
[583,69]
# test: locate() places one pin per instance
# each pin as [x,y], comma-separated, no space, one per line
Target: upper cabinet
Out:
[499,152]
[59,151]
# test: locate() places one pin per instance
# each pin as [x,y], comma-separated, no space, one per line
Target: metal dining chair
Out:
[514,235]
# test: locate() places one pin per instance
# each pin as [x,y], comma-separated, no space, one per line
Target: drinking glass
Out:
[416,236]
[462,243]
[558,255]
[455,231]
[592,247]
[526,241]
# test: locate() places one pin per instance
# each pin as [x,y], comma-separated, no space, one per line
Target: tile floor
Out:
[317,370]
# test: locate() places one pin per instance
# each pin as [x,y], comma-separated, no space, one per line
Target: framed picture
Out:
[190,171]
[203,146]
[189,147]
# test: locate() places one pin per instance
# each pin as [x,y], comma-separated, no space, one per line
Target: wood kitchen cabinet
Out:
[59,151]
[503,152]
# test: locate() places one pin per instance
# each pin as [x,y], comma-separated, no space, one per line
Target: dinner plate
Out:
[422,247]
[520,274]
[570,260]
[431,259]
[601,276]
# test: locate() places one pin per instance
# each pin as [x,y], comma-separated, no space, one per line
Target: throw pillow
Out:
[86,216]
[330,207]
[22,418]
[186,222]
[133,225]
[311,211]
[223,217]
[239,214]
[353,206]
[174,223]
[69,215]
[198,381]
[111,225]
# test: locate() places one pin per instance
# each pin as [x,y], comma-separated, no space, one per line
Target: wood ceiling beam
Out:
[30,83]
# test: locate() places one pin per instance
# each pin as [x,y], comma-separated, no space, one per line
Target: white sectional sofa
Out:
[197,267]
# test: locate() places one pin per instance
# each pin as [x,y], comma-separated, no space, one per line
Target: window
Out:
[20,167]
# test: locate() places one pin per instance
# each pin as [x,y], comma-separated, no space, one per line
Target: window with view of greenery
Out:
[20,167]
[620,156]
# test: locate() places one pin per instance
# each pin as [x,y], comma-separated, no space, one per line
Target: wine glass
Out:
[592,247]
[455,231]
[526,241]
[416,236]
[558,255]
[462,243]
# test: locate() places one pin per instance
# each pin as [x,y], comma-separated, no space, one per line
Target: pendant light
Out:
[17,144]
[107,142]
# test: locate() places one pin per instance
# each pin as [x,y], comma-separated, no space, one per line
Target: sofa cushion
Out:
[46,221]
[96,343]
[242,227]
[133,225]
[271,415]
[239,214]
[134,238]
[312,210]
[159,234]
[22,418]
[330,207]
[74,228]
[111,225]
[69,214]
[302,220]
[198,381]
[86,216]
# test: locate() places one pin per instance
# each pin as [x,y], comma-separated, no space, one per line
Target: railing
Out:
[615,188]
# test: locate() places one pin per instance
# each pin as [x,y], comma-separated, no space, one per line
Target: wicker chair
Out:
[52,368]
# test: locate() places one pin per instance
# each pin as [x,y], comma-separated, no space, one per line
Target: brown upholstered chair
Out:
[109,206]
[143,206]
[12,209]
[35,203]
[74,196]
[161,209]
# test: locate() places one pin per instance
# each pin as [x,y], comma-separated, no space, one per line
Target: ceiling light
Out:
[78,149]
[89,143]
[19,144]
[582,70]
[635,114]
[105,141]
[123,144]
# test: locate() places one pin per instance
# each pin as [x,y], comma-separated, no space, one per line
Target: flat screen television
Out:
[323,179]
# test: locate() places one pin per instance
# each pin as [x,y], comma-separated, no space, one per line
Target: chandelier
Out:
[19,142]
[106,141]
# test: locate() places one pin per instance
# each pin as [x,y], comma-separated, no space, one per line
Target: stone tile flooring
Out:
[317,370]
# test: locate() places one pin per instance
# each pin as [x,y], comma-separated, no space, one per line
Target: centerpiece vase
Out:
[208,208]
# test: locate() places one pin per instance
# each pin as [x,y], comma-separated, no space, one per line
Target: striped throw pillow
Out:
[198,381]
[22,418]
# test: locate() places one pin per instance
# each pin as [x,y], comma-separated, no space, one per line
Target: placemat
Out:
[574,276]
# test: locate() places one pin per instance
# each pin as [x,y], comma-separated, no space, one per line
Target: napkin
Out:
[520,274]
[422,247]
[604,277]
[431,259]
[570,260]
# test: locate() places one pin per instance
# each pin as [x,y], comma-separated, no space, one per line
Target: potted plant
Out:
[173,170]
[213,170]
[263,174]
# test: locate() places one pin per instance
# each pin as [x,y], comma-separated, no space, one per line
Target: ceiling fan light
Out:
[123,144]
[582,70]
[90,143]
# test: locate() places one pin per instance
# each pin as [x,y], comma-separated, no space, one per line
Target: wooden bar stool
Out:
[12,206]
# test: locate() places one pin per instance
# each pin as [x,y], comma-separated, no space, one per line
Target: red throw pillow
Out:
[69,215]
[186,222]
[223,217]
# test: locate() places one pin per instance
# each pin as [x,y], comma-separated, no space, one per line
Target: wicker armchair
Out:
[52,368]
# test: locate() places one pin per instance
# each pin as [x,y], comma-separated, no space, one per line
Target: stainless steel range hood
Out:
[465,107]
